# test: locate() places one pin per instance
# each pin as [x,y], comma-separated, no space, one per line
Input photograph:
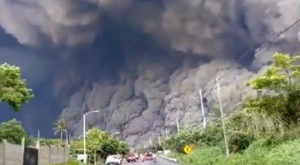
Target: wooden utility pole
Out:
[222,117]
[202,108]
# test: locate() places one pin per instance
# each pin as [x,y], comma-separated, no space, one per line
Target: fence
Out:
[53,155]
[11,154]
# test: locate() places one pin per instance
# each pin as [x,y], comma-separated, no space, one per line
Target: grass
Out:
[259,153]
[204,155]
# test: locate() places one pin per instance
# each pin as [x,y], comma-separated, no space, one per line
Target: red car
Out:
[149,156]
[131,158]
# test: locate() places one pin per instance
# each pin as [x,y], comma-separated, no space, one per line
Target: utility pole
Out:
[177,125]
[222,117]
[166,131]
[67,137]
[84,145]
[37,146]
[202,108]
[159,140]
[84,135]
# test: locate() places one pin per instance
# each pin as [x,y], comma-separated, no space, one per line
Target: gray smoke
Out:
[65,22]
[141,63]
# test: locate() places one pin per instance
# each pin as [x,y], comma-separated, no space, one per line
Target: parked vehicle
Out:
[149,156]
[137,156]
[154,157]
[131,158]
[113,160]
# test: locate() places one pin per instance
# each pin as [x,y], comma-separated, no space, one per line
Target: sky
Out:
[44,108]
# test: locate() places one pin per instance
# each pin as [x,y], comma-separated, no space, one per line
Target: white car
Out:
[136,156]
[113,160]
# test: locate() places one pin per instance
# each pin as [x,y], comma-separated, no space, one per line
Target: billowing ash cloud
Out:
[65,22]
[142,62]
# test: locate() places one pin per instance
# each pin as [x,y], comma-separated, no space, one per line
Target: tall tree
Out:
[13,88]
[61,125]
[278,90]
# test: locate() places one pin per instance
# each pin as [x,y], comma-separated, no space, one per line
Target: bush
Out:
[213,135]
[202,156]
[185,137]
[12,131]
[259,125]
[286,153]
[239,141]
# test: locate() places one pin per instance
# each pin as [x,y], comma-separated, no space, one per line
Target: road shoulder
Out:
[173,160]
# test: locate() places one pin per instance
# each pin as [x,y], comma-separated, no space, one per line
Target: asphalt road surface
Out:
[159,161]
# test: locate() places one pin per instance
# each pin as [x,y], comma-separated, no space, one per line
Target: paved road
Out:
[159,161]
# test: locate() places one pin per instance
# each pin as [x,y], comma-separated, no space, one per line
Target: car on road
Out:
[113,160]
[137,156]
[131,158]
[149,156]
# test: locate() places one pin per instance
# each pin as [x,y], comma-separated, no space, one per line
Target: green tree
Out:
[123,148]
[61,126]
[110,146]
[13,89]
[99,142]
[278,90]
[76,147]
[95,138]
[12,131]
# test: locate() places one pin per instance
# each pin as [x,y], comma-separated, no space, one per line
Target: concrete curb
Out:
[169,159]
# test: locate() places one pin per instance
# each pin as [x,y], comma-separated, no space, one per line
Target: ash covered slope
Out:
[140,62]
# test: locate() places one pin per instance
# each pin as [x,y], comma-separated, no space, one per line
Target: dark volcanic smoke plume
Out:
[141,62]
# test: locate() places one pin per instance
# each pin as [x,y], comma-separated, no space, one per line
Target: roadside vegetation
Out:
[264,131]
[71,162]
[99,145]
[13,132]
[14,92]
